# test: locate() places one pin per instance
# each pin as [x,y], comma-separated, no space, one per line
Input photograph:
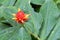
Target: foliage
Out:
[43,24]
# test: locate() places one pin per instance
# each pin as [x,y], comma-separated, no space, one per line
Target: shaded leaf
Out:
[50,15]
[3,26]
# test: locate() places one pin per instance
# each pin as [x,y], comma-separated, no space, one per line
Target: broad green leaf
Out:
[24,5]
[23,34]
[55,35]
[6,33]
[50,14]
[34,23]
[20,34]
[38,2]
[35,19]
[8,2]
[8,11]
[14,33]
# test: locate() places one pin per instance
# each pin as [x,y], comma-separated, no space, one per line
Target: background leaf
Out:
[24,5]
[55,35]
[50,15]
[14,34]
[8,2]
[38,2]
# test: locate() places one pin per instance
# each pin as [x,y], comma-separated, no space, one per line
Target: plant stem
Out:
[32,33]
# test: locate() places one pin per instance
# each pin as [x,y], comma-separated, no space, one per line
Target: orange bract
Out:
[20,16]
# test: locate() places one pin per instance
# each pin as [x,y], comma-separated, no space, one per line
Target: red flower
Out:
[20,16]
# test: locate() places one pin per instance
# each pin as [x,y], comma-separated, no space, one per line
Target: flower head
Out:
[20,16]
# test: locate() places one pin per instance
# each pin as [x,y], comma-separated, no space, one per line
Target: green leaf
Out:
[55,35]
[1,2]
[38,2]
[35,19]
[8,11]
[58,5]
[6,33]
[34,23]
[24,5]
[23,34]
[8,2]
[14,33]
[50,14]
[1,11]
[57,1]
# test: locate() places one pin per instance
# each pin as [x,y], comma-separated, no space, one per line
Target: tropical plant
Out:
[42,24]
